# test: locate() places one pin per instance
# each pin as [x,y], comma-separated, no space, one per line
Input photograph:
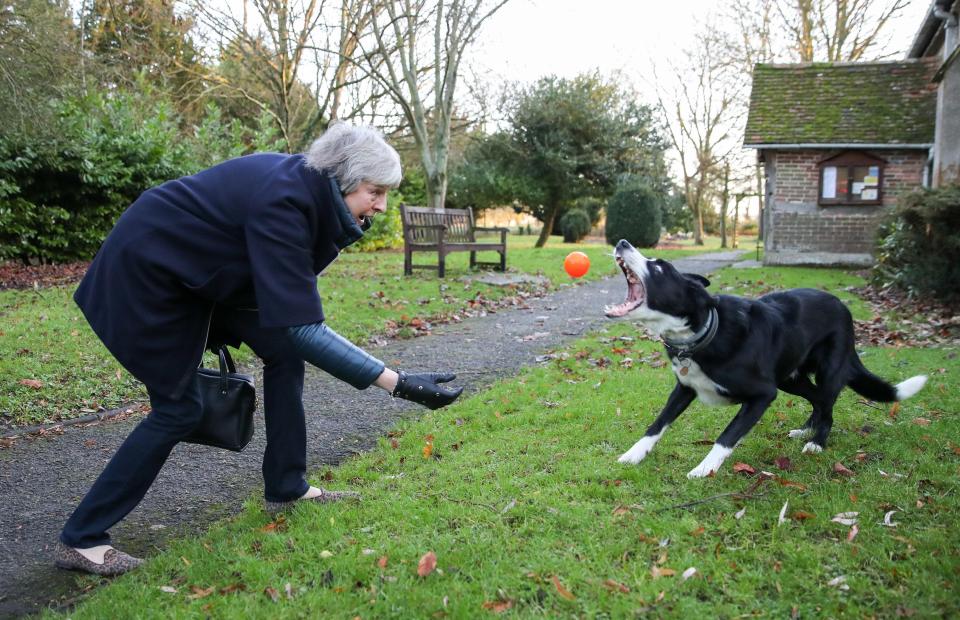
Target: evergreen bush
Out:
[919,244]
[634,214]
[575,225]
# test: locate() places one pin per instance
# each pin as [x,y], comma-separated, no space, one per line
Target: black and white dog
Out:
[729,350]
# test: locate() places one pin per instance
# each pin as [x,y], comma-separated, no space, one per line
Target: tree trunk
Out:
[547,228]
[723,206]
[736,219]
[436,189]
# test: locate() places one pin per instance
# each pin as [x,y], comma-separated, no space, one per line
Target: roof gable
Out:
[843,103]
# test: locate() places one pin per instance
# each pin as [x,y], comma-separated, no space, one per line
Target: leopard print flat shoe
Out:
[115,562]
[325,497]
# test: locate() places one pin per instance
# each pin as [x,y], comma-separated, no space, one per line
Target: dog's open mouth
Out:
[635,292]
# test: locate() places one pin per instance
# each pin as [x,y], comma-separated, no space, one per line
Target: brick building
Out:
[937,38]
[839,142]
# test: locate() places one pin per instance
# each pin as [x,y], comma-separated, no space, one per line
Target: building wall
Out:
[948,126]
[799,231]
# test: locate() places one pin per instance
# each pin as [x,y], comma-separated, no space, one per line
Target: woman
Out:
[230,255]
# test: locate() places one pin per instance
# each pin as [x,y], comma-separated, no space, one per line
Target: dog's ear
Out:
[697,278]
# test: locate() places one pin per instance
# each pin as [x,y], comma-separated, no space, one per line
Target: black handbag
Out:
[229,399]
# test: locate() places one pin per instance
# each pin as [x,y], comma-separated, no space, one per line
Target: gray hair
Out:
[354,155]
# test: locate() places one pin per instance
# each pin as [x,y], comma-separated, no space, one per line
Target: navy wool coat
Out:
[251,232]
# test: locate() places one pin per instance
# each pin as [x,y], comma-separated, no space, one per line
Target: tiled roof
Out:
[843,103]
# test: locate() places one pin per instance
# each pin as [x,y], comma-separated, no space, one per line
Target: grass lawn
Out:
[518,494]
[52,366]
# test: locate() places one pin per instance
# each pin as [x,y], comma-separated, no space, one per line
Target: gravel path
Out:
[42,479]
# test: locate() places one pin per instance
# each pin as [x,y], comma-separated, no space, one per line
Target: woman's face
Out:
[366,201]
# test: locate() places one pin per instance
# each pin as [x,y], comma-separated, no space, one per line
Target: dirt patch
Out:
[19,276]
[912,322]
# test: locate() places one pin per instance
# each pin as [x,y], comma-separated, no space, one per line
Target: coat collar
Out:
[351,231]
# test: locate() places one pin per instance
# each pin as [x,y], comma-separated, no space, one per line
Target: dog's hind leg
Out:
[679,400]
[830,382]
[746,418]
[801,386]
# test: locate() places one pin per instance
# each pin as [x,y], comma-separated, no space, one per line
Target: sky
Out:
[528,39]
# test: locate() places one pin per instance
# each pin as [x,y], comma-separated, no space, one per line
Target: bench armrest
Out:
[503,232]
[436,226]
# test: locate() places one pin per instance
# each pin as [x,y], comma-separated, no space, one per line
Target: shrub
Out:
[60,197]
[575,225]
[919,244]
[634,214]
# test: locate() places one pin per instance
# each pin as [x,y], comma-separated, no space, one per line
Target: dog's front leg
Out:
[679,400]
[741,424]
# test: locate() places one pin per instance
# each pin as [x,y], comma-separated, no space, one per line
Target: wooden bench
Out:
[444,231]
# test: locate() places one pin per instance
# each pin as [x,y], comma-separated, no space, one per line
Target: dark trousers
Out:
[140,457]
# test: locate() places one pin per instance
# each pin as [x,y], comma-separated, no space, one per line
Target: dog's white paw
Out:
[812,448]
[640,450]
[700,471]
[711,463]
[799,433]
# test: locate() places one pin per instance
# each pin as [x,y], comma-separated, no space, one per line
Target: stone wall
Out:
[799,231]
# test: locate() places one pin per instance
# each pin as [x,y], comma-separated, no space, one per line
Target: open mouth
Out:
[366,221]
[635,293]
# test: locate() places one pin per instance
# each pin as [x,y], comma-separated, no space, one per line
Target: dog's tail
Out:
[869,385]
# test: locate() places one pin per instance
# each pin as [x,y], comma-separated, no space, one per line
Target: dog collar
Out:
[683,349]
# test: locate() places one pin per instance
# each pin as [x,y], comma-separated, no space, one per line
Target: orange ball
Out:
[576,264]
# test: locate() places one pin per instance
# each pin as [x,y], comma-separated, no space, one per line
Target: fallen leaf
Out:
[789,483]
[743,468]
[846,518]
[427,450]
[326,554]
[561,590]
[199,592]
[739,514]
[839,582]
[697,532]
[498,607]
[921,421]
[887,521]
[894,410]
[690,572]
[168,589]
[427,563]
[838,468]
[656,572]
[382,562]
[31,383]
[853,533]
[272,593]
[784,463]
[615,586]
[783,511]
[800,515]
[234,587]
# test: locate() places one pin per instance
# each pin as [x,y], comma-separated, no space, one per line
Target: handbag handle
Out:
[226,364]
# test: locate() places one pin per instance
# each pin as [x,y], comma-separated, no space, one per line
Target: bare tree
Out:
[701,118]
[415,53]
[837,30]
[291,59]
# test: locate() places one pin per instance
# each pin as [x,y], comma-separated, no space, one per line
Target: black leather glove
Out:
[423,388]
